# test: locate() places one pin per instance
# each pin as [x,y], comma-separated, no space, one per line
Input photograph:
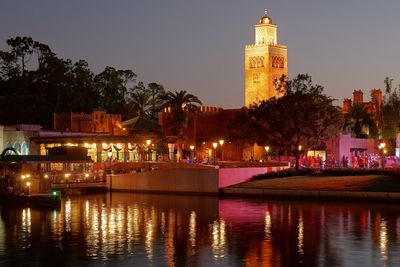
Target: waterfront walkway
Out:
[368,187]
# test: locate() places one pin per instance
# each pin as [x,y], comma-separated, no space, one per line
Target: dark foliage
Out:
[284,173]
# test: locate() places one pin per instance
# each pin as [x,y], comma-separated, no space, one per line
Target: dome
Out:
[265,19]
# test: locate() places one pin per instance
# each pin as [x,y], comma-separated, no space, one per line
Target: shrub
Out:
[349,172]
[284,173]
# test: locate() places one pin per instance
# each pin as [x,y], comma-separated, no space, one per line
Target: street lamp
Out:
[266,151]
[215,147]
[383,151]
[109,168]
[191,152]
[148,142]
[221,142]
[28,185]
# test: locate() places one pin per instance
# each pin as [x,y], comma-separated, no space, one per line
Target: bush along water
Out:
[328,172]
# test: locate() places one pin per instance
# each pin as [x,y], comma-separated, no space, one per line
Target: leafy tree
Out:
[390,110]
[157,93]
[81,92]
[112,90]
[302,116]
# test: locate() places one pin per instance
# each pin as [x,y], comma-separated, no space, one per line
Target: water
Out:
[164,230]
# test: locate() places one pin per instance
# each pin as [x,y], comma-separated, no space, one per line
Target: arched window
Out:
[17,147]
[25,149]
[251,62]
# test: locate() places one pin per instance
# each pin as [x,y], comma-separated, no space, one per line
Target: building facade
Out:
[265,62]
[99,121]
[373,107]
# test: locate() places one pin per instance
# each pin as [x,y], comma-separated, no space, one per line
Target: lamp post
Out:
[221,142]
[148,142]
[109,154]
[28,185]
[215,147]
[191,152]
[266,151]
[383,151]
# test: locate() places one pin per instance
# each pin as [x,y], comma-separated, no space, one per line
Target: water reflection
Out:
[218,239]
[139,229]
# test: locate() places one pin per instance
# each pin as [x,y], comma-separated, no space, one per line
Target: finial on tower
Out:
[265,19]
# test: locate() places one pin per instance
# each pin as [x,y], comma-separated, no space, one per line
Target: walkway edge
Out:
[311,194]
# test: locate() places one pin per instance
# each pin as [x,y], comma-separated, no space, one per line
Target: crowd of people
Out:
[354,161]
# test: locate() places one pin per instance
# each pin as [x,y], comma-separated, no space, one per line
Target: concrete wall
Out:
[172,180]
[186,180]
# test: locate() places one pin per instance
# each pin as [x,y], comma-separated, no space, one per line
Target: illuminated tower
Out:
[265,62]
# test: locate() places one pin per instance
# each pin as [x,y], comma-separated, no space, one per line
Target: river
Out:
[125,229]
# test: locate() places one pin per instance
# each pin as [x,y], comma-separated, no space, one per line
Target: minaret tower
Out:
[265,62]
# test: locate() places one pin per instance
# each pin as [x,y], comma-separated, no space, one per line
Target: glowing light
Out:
[148,142]
[214,145]
[221,142]
[192,229]
[28,184]
[26,220]
[86,175]
[300,147]
[383,240]
[218,238]
[300,237]
[267,228]
[68,215]
[46,176]
[23,177]
[266,148]
[191,147]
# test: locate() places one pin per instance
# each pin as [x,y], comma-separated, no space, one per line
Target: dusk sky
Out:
[198,46]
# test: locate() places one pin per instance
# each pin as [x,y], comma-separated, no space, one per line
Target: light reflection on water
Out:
[166,230]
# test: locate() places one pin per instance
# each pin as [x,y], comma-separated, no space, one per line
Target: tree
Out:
[359,121]
[138,103]
[157,93]
[243,129]
[181,105]
[302,116]
[111,85]
[390,110]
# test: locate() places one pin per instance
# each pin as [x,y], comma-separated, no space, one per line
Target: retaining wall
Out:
[185,180]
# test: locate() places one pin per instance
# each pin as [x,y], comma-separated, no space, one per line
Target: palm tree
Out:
[359,121]
[138,103]
[180,104]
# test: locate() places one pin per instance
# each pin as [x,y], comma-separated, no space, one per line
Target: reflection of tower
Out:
[265,62]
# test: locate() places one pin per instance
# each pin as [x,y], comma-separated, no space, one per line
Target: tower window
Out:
[278,62]
[256,62]
[256,78]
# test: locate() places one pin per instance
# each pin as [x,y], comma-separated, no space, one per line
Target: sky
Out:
[198,46]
